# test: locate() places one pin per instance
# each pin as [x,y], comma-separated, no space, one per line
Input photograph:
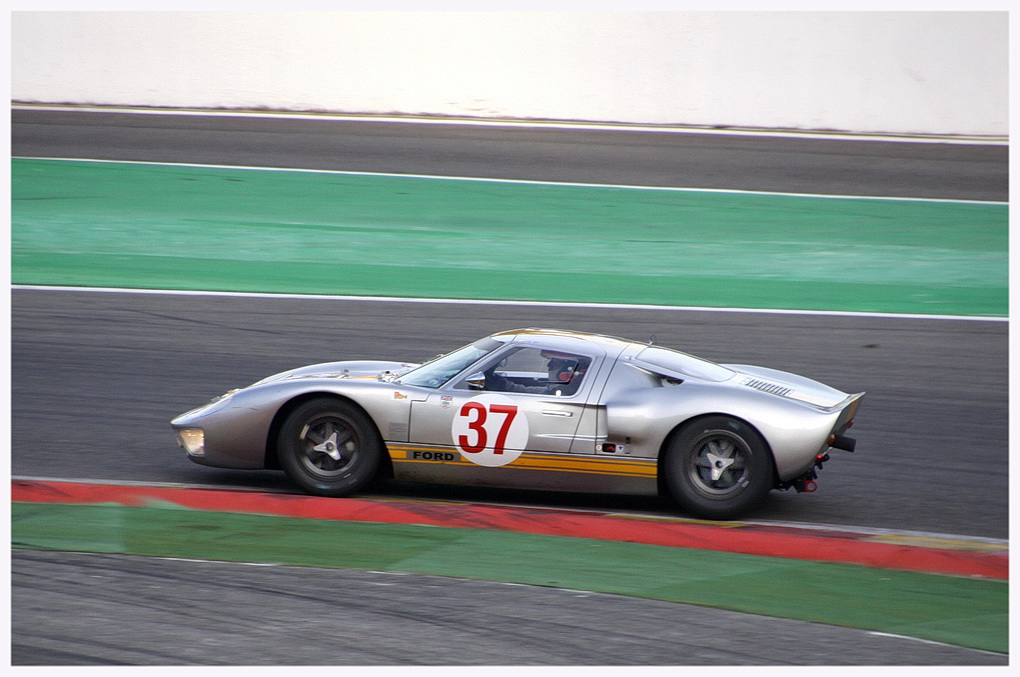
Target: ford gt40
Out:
[538,409]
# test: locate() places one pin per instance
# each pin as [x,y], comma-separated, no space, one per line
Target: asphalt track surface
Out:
[798,165]
[121,610]
[96,377]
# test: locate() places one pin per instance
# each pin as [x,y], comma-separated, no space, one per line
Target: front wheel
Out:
[329,447]
[718,467]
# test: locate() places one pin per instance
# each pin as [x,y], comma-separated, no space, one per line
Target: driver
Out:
[564,375]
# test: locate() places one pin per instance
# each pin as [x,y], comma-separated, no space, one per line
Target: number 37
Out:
[477,414]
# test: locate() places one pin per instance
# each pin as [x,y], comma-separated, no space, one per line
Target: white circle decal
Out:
[490,430]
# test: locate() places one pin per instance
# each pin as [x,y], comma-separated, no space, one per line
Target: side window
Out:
[533,370]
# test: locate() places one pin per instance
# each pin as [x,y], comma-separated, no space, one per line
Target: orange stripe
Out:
[590,465]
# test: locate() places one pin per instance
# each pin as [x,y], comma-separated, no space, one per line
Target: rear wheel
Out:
[329,447]
[718,467]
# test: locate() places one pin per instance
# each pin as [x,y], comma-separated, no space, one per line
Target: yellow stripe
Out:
[598,465]
[940,543]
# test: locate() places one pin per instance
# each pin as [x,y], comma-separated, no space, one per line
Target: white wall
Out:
[901,72]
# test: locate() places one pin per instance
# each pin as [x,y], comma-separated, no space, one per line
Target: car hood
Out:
[351,369]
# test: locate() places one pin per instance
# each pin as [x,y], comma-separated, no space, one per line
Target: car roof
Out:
[564,338]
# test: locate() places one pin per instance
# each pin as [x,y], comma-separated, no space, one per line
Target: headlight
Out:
[193,441]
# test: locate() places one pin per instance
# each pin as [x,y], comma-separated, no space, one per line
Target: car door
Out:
[531,399]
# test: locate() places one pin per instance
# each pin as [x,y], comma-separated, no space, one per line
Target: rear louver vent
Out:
[767,387]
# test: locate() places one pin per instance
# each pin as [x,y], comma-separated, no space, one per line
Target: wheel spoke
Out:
[722,448]
[345,439]
[319,433]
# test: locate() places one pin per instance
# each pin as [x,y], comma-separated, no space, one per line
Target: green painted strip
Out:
[229,229]
[961,611]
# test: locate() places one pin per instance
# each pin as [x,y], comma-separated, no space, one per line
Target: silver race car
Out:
[537,409]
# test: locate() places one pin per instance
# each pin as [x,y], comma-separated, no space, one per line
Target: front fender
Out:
[237,428]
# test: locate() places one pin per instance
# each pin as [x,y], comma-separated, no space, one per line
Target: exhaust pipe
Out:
[842,442]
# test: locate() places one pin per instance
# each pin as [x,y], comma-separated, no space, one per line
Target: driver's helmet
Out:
[561,366]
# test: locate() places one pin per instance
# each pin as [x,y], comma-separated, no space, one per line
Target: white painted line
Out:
[529,124]
[474,179]
[491,302]
[216,561]
[876,633]
[155,485]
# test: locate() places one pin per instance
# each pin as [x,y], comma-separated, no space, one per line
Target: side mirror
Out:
[476,381]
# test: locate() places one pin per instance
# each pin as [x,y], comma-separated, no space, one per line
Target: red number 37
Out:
[477,414]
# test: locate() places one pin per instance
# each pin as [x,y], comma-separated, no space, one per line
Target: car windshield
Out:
[674,360]
[436,372]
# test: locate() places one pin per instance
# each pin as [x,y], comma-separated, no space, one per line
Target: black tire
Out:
[718,467]
[329,447]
